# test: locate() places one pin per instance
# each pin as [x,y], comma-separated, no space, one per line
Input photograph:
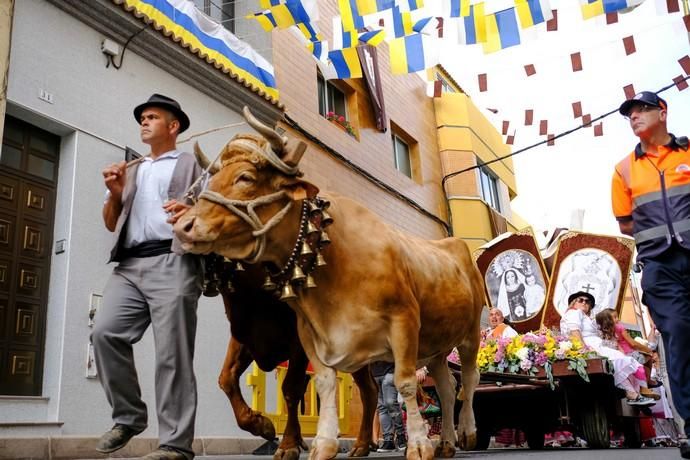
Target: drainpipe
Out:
[6,12]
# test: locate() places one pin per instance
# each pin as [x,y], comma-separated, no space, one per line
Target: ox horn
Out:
[272,136]
[203,160]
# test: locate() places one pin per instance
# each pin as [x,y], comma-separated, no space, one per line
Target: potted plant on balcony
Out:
[341,121]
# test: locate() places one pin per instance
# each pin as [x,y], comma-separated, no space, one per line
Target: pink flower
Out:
[341,119]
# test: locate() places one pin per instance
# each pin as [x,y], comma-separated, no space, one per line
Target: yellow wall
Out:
[462,128]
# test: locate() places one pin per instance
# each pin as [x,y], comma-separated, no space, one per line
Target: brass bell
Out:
[311,228]
[313,208]
[287,292]
[326,220]
[325,204]
[306,249]
[325,240]
[320,261]
[269,285]
[239,267]
[310,282]
[297,274]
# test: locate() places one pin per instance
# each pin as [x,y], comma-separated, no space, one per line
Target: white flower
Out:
[522,353]
[565,345]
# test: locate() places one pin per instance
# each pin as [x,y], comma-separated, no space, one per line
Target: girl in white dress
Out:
[577,323]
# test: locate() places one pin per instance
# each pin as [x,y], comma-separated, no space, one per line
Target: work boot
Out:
[165,453]
[401,442]
[117,438]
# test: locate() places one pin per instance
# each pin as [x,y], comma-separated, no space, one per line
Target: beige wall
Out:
[6,10]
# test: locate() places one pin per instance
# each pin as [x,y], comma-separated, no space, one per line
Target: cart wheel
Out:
[483,439]
[631,432]
[595,425]
[535,438]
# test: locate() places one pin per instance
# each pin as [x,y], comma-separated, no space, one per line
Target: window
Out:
[331,99]
[223,11]
[489,187]
[401,154]
[445,86]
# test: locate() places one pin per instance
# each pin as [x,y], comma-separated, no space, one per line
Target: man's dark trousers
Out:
[666,291]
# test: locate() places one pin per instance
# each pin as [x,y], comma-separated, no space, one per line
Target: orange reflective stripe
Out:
[621,194]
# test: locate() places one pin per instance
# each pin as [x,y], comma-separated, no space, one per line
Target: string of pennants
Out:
[511,119]
[412,28]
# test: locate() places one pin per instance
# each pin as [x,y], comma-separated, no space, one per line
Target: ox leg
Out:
[237,360]
[368,392]
[325,444]
[294,386]
[404,342]
[467,429]
[445,385]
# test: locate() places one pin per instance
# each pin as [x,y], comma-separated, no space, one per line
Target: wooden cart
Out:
[589,409]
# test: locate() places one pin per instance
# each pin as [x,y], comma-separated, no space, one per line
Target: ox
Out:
[380,294]
[264,330]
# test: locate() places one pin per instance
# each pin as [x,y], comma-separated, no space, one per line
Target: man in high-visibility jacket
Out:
[651,201]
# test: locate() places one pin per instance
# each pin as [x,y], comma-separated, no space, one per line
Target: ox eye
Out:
[245,177]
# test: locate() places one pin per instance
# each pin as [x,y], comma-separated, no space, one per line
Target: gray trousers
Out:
[162,291]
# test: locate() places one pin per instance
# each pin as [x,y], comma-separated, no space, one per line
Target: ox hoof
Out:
[323,449]
[359,450]
[287,454]
[468,441]
[421,450]
[445,449]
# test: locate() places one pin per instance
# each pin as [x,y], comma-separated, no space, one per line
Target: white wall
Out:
[92,111]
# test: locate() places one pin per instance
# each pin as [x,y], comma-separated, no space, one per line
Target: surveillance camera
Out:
[109,47]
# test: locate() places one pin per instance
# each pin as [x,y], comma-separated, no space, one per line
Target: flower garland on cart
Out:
[527,353]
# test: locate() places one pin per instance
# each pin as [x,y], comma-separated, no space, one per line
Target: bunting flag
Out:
[533,12]
[349,13]
[592,8]
[309,32]
[428,26]
[319,50]
[472,29]
[456,8]
[345,63]
[266,4]
[343,38]
[186,24]
[502,31]
[373,38]
[413,53]
[265,20]
[409,5]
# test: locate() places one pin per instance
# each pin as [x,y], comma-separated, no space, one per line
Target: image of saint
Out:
[534,295]
[590,270]
[511,296]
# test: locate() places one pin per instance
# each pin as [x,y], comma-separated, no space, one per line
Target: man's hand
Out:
[175,209]
[115,177]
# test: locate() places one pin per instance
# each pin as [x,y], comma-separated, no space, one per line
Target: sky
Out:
[575,173]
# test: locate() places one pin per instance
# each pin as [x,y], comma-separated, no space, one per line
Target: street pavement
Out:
[655,453]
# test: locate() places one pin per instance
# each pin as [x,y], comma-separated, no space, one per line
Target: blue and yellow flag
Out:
[532,12]
[502,31]
[412,53]
[265,20]
[472,29]
[346,63]
[373,38]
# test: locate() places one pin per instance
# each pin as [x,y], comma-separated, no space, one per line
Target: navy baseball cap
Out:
[646,98]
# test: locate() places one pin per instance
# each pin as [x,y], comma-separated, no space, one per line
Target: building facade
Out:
[68,114]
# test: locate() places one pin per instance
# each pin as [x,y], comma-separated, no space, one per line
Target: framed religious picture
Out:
[515,279]
[597,264]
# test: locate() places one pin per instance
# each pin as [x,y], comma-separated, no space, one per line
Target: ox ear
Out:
[299,189]
[294,154]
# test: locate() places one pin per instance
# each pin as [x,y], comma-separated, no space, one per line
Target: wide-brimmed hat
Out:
[646,98]
[163,102]
[574,296]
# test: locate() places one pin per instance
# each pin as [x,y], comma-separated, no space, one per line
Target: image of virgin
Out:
[511,296]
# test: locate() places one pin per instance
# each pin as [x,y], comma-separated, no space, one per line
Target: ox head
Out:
[252,185]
